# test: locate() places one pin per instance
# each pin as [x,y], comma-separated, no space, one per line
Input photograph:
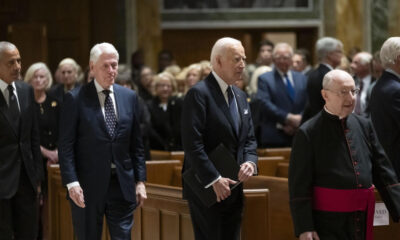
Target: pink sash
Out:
[347,200]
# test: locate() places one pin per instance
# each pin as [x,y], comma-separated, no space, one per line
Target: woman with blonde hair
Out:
[47,111]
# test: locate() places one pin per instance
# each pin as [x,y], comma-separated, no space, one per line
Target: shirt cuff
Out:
[211,183]
[73,184]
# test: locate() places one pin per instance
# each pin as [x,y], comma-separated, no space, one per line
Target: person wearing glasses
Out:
[336,163]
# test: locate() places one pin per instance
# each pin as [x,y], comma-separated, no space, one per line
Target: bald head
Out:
[339,93]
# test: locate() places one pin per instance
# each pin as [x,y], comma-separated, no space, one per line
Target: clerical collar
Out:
[333,115]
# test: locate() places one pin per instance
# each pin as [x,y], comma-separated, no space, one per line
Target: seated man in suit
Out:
[282,96]
[385,102]
[215,112]
[100,151]
[21,167]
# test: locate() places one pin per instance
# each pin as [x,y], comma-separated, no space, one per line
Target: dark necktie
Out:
[233,108]
[357,109]
[109,112]
[13,105]
[289,88]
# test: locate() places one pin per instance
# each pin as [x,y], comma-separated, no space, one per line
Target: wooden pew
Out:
[281,221]
[166,155]
[161,171]
[165,214]
[268,166]
[270,152]
[282,170]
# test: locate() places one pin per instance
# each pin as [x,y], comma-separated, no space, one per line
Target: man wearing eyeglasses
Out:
[335,164]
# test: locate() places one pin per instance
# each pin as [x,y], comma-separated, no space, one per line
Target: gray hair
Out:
[365,58]
[221,45]
[390,51]
[6,46]
[326,45]
[101,48]
[284,46]
[70,61]
[333,74]
[33,68]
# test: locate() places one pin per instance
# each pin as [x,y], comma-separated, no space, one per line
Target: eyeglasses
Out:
[344,93]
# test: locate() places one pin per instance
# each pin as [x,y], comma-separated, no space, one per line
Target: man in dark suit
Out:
[21,168]
[385,102]
[361,67]
[101,152]
[329,52]
[216,112]
[282,97]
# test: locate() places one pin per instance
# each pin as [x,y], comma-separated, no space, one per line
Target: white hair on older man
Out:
[6,46]
[282,45]
[365,58]
[331,75]
[326,45]
[390,51]
[220,46]
[101,48]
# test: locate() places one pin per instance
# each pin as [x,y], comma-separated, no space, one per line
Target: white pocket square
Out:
[246,111]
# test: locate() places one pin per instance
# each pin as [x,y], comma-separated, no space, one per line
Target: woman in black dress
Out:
[47,110]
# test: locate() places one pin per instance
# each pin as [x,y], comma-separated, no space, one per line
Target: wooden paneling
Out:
[161,172]
[271,152]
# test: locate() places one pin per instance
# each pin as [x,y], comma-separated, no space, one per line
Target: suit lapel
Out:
[242,109]
[94,105]
[4,112]
[118,105]
[221,102]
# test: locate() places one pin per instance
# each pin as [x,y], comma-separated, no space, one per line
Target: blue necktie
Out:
[233,108]
[109,112]
[289,88]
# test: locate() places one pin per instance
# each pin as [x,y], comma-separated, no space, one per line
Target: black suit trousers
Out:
[19,215]
[88,221]
[219,222]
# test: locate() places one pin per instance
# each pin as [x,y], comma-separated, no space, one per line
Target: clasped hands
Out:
[221,187]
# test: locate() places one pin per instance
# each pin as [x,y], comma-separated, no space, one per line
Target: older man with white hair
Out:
[329,52]
[100,151]
[336,163]
[361,65]
[216,112]
[385,102]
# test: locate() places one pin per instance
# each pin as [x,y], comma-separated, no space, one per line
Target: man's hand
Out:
[221,188]
[51,155]
[140,193]
[309,236]
[289,130]
[246,171]
[293,119]
[76,194]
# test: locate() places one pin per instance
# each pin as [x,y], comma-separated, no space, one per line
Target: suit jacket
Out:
[314,87]
[206,122]
[275,104]
[19,145]
[385,115]
[86,150]
[57,92]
